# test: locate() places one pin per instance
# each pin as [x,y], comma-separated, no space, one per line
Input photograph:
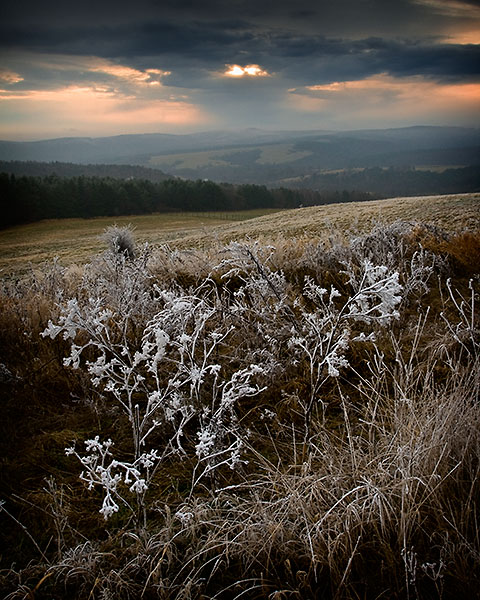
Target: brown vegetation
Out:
[363,484]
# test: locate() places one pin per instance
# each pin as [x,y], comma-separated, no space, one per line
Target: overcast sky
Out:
[111,67]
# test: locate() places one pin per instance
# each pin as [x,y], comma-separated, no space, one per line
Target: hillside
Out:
[450,212]
[263,157]
[35,168]
[75,240]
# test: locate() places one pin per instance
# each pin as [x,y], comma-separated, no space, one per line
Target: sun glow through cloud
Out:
[465,37]
[247,70]
[10,77]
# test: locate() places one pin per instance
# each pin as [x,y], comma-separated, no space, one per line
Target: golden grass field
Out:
[76,240]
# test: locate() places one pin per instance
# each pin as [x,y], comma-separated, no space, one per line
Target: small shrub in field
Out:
[120,240]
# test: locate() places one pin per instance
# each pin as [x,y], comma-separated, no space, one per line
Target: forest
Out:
[395,181]
[32,198]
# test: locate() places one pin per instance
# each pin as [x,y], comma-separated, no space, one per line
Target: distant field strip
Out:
[269,154]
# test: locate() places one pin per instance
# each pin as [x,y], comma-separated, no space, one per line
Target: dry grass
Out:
[77,240]
[381,499]
[453,213]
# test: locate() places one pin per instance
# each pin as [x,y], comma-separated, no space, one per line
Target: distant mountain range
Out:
[286,158]
[137,148]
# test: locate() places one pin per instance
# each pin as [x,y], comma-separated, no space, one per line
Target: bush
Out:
[120,240]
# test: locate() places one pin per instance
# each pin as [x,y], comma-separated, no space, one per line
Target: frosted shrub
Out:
[324,334]
[162,384]
[388,245]
[263,288]
[316,326]
[123,283]
[261,306]
[168,374]
[120,240]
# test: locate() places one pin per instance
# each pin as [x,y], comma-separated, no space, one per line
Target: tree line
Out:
[395,181]
[27,199]
[66,169]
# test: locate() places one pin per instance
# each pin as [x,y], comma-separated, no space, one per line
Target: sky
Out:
[111,67]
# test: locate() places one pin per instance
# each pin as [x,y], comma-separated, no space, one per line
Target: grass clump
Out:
[297,421]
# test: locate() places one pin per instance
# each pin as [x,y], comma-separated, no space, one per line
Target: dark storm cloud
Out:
[342,18]
[332,60]
[339,15]
[212,44]
[248,62]
[141,39]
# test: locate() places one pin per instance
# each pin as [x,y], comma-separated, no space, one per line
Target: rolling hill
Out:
[256,156]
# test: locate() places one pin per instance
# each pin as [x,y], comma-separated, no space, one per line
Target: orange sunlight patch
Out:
[128,73]
[247,70]
[378,98]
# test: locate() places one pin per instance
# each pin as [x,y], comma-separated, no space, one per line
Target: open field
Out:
[76,240]
[452,212]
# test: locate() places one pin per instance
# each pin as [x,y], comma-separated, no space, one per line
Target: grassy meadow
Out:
[280,407]
[77,240]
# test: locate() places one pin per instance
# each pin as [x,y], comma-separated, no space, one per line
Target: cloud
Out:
[452,8]
[94,94]
[381,98]
[93,111]
[51,71]
[134,76]
[201,62]
[9,77]
[246,71]
[330,59]
[342,17]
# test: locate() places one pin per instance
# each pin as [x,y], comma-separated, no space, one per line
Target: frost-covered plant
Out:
[463,327]
[316,325]
[123,283]
[261,306]
[101,469]
[164,382]
[324,333]
[389,245]
[120,240]
[167,372]
[263,289]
